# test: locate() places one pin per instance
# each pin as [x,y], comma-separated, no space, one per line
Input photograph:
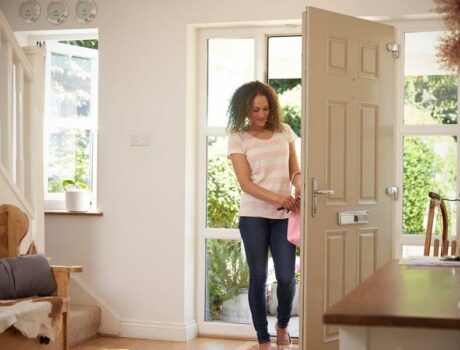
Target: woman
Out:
[262,152]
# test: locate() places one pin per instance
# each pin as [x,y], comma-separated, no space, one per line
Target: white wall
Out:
[139,255]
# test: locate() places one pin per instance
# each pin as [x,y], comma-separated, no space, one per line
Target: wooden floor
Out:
[108,343]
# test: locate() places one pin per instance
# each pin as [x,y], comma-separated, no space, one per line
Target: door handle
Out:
[393,191]
[315,193]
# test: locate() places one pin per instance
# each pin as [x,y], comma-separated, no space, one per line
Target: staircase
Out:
[84,322]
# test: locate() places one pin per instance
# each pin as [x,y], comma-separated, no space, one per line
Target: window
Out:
[227,59]
[428,139]
[70,118]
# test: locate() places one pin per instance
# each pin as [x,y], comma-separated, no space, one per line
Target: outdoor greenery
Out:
[91,43]
[435,95]
[429,161]
[223,192]
[227,273]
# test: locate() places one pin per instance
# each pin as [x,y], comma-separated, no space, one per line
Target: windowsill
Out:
[65,212]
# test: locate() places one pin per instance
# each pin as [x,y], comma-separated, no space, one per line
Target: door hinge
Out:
[393,48]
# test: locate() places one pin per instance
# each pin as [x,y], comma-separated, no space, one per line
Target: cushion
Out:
[6,281]
[32,275]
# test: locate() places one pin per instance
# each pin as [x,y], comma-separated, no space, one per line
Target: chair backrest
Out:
[14,225]
[437,201]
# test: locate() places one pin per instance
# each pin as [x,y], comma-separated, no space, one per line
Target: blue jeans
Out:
[258,235]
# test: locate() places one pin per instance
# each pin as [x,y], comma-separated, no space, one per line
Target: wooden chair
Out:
[14,226]
[437,201]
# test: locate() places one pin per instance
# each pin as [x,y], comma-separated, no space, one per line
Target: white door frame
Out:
[259,32]
[419,25]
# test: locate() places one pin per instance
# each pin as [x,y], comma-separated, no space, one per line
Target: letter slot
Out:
[353,217]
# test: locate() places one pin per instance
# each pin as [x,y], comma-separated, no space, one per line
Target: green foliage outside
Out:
[283,85]
[434,94]
[91,43]
[419,169]
[429,161]
[289,92]
[224,193]
[227,273]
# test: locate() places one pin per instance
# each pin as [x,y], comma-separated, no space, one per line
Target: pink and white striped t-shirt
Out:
[269,163]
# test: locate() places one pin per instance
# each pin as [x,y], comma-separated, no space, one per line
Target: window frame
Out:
[399,238]
[56,201]
[260,33]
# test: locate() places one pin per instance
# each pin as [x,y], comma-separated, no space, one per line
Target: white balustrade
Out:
[21,113]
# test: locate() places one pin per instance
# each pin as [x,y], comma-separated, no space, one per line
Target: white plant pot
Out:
[77,200]
[236,310]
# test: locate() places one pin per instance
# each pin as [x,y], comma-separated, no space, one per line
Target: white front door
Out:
[348,128]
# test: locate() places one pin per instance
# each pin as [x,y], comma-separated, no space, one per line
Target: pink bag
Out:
[293,230]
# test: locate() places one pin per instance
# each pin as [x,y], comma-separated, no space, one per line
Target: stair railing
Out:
[21,114]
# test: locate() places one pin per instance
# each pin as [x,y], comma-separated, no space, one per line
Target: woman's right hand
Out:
[289,203]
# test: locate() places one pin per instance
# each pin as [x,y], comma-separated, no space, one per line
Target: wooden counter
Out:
[403,296]
[397,298]
[401,307]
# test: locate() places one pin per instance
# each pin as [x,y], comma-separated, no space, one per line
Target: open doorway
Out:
[228,58]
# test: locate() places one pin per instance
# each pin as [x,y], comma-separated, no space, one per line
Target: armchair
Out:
[14,226]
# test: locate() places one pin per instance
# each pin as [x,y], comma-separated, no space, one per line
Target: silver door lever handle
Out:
[315,193]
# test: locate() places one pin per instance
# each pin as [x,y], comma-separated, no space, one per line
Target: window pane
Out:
[412,250]
[230,64]
[227,282]
[70,89]
[223,190]
[429,164]
[70,156]
[285,57]
[430,93]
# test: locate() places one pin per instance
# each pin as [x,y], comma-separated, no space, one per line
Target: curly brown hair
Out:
[241,103]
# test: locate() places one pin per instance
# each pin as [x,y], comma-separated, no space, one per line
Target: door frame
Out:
[260,32]
[418,25]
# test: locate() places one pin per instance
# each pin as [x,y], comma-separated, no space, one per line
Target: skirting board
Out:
[159,330]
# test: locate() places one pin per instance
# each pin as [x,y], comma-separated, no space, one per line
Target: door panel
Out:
[349,130]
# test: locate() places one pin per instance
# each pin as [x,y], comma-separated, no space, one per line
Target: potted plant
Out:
[76,196]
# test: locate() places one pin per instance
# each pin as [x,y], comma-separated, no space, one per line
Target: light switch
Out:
[140,140]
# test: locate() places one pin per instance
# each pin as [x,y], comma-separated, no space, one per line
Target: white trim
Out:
[446,129]
[259,32]
[221,233]
[63,34]
[159,330]
[228,330]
